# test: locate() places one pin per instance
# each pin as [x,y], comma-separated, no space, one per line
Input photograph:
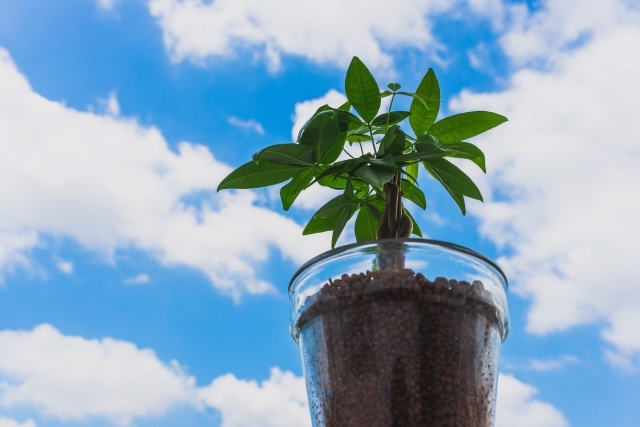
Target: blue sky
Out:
[133,294]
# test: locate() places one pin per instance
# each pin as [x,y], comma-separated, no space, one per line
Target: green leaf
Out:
[465,125]
[321,133]
[385,93]
[348,190]
[425,147]
[456,182]
[455,177]
[362,90]
[413,193]
[429,139]
[375,175]
[345,107]
[358,137]
[358,130]
[385,161]
[320,225]
[347,121]
[367,223]
[334,151]
[465,150]
[255,175]
[290,192]
[340,183]
[393,117]
[457,197]
[287,154]
[378,207]
[393,141]
[415,97]
[332,207]
[343,217]
[393,86]
[346,166]
[416,227]
[423,116]
[423,151]
[412,172]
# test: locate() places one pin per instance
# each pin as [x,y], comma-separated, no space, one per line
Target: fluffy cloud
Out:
[8,422]
[65,266]
[564,173]
[197,30]
[72,378]
[552,364]
[250,124]
[108,183]
[137,280]
[517,406]
[107,4]
[280,401]
[560,26]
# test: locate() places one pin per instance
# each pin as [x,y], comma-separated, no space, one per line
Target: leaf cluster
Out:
[321,156]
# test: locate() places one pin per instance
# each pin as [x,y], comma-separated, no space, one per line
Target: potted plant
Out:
[394,331]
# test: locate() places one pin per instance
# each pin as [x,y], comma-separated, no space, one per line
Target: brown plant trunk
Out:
[394,222]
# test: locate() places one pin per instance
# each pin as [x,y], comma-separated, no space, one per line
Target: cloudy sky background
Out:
[134,295]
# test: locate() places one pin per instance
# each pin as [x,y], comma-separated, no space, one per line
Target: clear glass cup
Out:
[400,332]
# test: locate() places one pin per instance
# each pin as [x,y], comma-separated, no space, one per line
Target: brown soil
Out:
[393,349]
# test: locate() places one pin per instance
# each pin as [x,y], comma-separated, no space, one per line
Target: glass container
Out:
[400,333]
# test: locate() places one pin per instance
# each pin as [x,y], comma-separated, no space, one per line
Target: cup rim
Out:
[441,243]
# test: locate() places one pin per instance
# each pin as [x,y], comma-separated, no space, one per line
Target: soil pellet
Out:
[394,349]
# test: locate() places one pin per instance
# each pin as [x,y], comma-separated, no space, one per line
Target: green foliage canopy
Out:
[315,157]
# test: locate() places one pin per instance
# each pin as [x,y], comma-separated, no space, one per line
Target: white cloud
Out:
[137,280]
[552,364]
[560,26]
[564,172]
[480,58]
[280,401]
[331,31]
[65,266]
[72,378]
[107,4]
[494,10]
[517,406]
[250,124]
[109,183]
[110,104]
[8,422]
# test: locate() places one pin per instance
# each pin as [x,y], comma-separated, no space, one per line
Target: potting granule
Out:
[391,348]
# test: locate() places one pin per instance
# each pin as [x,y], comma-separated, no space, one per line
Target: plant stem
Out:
[386,126]
[373,143]
[389,112]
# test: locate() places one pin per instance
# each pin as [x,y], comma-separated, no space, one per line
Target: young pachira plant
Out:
[374,184]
